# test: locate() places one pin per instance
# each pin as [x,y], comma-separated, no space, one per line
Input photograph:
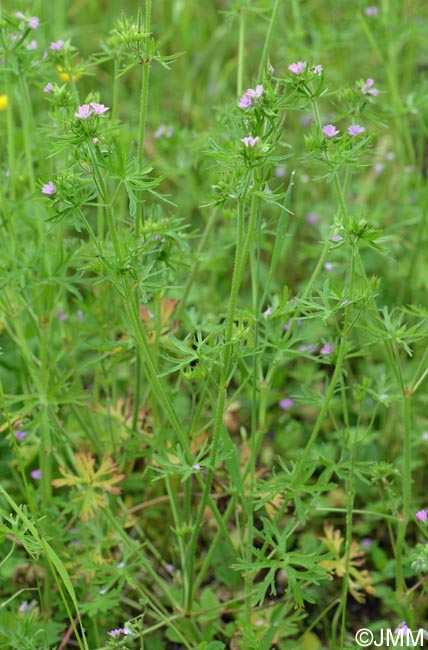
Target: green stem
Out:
[146,63]
[10,138]
[268,39]
[239,261]
[300,467]
[407,493]
[348,540]
[241,51]
[197,260]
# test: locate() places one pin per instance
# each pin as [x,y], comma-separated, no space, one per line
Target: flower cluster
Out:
[120,630]
[247,98]
[330,130]
[249,141]
[422,516]
[86,110]
[299,67]
[33,21]
[368,89]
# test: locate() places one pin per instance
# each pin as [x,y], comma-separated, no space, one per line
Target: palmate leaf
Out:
[358,579]
[94,482]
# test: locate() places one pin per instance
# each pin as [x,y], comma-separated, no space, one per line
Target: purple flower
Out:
[48,188]
[328,266]
[366,542]
[120,630]
[297,68]
[61,315]
[36,474]
[33,22]
[20,435]
[170,568]
[336,238]
[403,627]
[57,45]
[311,218]
[422,515]
[308,348]
[99,109]
[425,436]
[95,140]
[378,169]
[196,466]
[280,172]
[371,11]
[255,93]
[26,606]
[48,88]
[355,129]
[245,101]
[330,130]
[162,129]
[20,15]
[32,45]
[252,93]
[84,112]
[286,403]
[250,141]
[327,348]
[368,89]
[318,69]
[267,312]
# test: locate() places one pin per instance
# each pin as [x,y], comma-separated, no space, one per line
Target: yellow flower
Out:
[3,102]
[66,76]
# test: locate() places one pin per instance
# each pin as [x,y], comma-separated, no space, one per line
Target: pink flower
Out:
[33,22]
[422,515]
[308,348]
[120,630]
[403,627]
[367,89]
[286,403]
[311,218]
[318,69]
[84,112]
[95,140]
[297,68]
[32,45]
[330,130]
[36,474]
[57,45]
[20,15]
[328,266]
[245,101]
[371,11]
[336,238]
[48,188]
[48,88]
[250,141]
[247,98]
[20,435]
[327,348]
[99,109]
[61,315]
[255,93]
[355,129]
